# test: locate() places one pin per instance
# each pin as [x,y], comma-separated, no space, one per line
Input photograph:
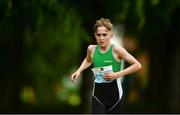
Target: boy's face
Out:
[103,36]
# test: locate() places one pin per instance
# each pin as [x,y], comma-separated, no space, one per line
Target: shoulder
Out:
[117,48]
[91,48]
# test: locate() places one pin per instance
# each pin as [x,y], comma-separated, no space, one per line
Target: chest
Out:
[102,59]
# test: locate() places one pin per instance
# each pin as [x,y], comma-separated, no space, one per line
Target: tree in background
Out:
[39,42]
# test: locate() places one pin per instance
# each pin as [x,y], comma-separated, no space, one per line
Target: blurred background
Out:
[42,42]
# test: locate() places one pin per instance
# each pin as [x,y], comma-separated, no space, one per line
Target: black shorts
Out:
[106,99]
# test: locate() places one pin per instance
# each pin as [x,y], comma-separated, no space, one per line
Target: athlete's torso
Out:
[104,59]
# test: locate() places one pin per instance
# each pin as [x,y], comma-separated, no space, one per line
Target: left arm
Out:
[135,65]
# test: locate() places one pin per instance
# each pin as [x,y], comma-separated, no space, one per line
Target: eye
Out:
[98,35]
[104,35]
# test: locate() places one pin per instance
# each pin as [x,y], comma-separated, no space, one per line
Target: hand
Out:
[74,76]
[110,76]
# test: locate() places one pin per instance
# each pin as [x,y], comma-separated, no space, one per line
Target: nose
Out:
[101,37]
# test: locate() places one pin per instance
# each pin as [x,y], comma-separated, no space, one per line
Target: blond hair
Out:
[103,22]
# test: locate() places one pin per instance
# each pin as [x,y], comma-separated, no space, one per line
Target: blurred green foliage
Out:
[43,41]
[50,35]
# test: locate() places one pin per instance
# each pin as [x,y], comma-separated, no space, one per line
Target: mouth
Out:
[101,42]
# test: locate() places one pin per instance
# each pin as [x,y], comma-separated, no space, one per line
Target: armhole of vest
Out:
[94,52]
[119,61]
[122,62]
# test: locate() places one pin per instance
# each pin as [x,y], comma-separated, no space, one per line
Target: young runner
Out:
[106,59]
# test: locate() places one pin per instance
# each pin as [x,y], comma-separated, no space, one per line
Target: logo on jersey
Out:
[108,61]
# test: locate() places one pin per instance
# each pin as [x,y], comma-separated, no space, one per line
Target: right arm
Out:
[84,65]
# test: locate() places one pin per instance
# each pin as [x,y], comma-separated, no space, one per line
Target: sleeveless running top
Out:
[104,59]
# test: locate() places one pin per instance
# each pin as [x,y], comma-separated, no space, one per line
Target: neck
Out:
[104,49]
